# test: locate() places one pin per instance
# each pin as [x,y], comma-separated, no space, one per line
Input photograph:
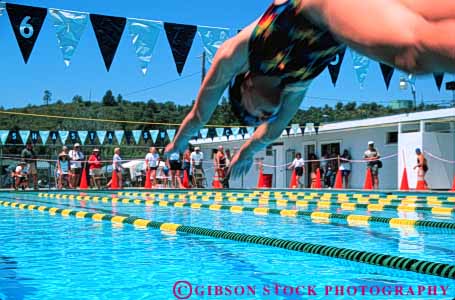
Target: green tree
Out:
[47,97]
[119,98]
[108,99]
[77,99]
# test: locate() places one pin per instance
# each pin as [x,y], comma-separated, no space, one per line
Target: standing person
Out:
[422,166]
[21,176]
[95,171]
[28,155]
[299,166]
[372,156]
[63,170]
[197,157]
[228,162]
[345,167]
[334,166]
[271,63]
[152,162]
[117,167]
[187,165]
[314,166]
[220,163]
[175,164]
[76,158]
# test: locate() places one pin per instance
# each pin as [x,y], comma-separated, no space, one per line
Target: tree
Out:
[108,99]
[119,98]
[77,99]
[47,97]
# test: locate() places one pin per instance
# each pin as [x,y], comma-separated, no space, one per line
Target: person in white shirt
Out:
[20,175]
[299,166]
[117,167]
[196,166]
[345,167]
[152,162]
[76,157]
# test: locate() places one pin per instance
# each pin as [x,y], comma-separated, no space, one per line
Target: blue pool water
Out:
[55,257]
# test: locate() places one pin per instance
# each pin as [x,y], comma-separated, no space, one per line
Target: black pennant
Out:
[145,135]
[26,22]
[92,136]
[34,136]
[180,37]
[335,66]
[387,73]
[108,31]
[438,77]
[302,128]
[54,136]
[73,136]
[316,127]
[128,136]
[13,136]
[110,136]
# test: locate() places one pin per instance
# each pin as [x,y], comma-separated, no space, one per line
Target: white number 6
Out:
[26,29]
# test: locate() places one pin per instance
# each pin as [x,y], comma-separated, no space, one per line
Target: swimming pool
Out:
[51,253]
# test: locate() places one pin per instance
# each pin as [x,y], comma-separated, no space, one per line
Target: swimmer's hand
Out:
[240,165]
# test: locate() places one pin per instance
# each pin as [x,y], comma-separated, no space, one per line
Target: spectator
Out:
[324,166]
[117,168]
[345,167]
[152,161]
[372,156]
[28,155]
[76,158]
[334,165]
[175,165]
[63,168]
[95,171]
[228,162]
[21,175]
[220,163]
[197,157]
[299,167]
[162,173]
[187,164]
[422,166]
[314,166]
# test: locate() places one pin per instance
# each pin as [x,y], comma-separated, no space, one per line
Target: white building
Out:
[396,137]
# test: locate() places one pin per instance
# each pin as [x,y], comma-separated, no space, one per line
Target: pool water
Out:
[56,257]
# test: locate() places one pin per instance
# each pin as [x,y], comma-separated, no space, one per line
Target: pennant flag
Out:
[309,128]
[212,38]
[2,8]
[73,136]
[14,135]
[137,135]
[119,135]
[154,135]
[146,136]
[294,128]
[302,129]
[204,132]
[24,135]
[128,136]
[3,136]
[361,64]
[54,136]
[108,31]
[69,27]
[162,135]
[438,77]
[92,137]
[316,127]
[171,134]
[387,73]
[284,133]
[26,22]
[335,66]
[63,136]
[180,38]
[44,135]
[110,137]
[34,136]
[82,136]
[235,131]
[101,135]
[144,35]
[219,132]
[250,130]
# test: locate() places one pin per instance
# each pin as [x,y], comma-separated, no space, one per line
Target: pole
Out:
[203,66]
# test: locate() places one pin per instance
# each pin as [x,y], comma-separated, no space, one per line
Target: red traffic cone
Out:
[317,184]
[260,179]
[114,182]
[339,180]
[453,185]
[148,182]
[368,180]
[83,185]
[404,181]
[186,181]
[216,184]
[421,185]
[293,184]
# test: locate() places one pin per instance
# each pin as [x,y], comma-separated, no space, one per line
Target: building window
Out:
[391,138]
[443,127]
[330,149]
[410,127]
[269,151]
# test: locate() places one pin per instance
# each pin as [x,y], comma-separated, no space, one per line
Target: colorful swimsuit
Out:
[287,45]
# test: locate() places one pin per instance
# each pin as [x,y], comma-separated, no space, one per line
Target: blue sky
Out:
[24,84]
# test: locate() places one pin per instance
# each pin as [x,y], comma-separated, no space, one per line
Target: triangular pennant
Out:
[285,132]
[63,135]
[387,73]
[180,37]
[250,130]
[146,135]
[219,132]
[83,136]
[108,31]
[309,128]
[235,131]
[294,128]
[212,38]
[73,136]
[128,137]
[204,132]
[14,135]
[137,135]
[335,66]
[154,135]
[44,135]
[24,135]
[438,78]
[54,136]
[316,127]
[3,136]
[144,35]
[162,135]
[34,135]
[69,27]
[361,64]
[171,134]
[212,133]
[92,136]
[302,128]
[26,22]
[101,135]
[110,137]
[119,136]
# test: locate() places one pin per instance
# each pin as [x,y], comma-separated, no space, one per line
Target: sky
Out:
[23,84]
